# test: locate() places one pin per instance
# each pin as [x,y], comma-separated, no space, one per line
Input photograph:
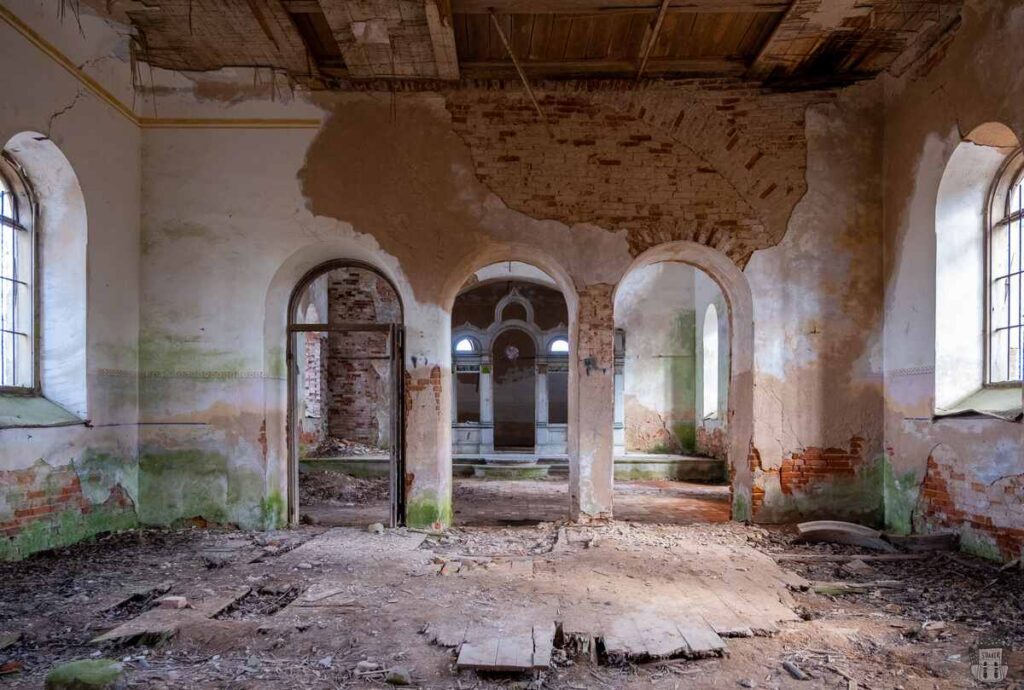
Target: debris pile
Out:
[332,447]
[331,486]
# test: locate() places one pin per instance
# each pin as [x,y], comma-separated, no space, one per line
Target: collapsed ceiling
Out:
[334,43]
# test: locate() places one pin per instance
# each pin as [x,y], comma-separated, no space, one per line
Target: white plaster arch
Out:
[62,232]
[739,300]
[513,297]
[963,213]
[281,471]
[527,254]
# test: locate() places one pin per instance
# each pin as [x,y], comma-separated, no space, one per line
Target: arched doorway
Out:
[510,345]
[735,354]
[345,397]
[514,358]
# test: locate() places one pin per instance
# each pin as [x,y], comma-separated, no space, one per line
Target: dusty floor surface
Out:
[324,600]
[332,499]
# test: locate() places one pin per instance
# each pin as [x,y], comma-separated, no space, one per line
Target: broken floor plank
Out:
[543,642]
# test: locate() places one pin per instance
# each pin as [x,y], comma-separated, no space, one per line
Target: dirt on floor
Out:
[339,608]
[330,486]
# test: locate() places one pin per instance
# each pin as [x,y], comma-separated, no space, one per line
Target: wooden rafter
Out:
[519,69]
[586,6]
[659,21]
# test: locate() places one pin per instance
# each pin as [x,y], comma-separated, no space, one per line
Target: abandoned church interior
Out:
[526,344]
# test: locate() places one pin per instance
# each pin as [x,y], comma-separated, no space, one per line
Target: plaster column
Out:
[590,471]
[541,411]
[486,406]
[620,408]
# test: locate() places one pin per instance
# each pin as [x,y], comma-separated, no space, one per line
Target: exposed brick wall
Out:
[43,507]
[313,427]
[949,499]
[359,390]
[715,162]
[712,442]
[813,465]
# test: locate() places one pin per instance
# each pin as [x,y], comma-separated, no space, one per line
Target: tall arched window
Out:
[1005,245]
[17,281]
[710,368]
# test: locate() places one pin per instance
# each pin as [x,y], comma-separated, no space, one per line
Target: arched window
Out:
[17,281]
[710,368]
[559,346]
[466,346]
[1006,274]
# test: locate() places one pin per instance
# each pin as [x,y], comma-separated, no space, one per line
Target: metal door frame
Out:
[396,355]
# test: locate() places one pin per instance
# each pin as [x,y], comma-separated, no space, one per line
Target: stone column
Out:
[486,405]
[590,469]
[620,408]
[541,411]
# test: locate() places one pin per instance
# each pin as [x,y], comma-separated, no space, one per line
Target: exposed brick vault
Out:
[717,162]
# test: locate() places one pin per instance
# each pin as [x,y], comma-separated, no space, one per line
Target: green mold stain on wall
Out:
[900,495]
[740,508]
[273,511]
[428,511]
[162,352]
[856,499]
[177,485]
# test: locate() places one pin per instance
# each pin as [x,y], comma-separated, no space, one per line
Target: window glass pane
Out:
[560,345]
[465,345]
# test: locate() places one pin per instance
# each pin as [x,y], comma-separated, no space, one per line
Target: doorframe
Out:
[397,347]
[494,380]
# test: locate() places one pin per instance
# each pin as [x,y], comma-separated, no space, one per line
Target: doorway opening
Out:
[345,382]
[672,373]
[510,364]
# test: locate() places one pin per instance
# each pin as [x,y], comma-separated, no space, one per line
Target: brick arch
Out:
[598,163]
[753,138]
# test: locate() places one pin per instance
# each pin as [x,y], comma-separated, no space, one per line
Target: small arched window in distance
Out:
[17,281]
[1006,271]
[559,346]
[710,368]
[465,346]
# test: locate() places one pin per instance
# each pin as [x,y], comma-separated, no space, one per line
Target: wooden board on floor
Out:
[648,636]
[508,651]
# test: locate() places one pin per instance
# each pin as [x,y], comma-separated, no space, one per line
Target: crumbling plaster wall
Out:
[655,308]
[60,484]
[817,303]
[408,182]
[965,474]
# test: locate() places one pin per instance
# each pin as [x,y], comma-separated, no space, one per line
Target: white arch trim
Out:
[740,303]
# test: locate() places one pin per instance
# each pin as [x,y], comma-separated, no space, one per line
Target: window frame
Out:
[558,353]
[1009,176]
[26,211]
[475,352]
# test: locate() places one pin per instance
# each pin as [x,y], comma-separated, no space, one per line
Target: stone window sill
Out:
[33,411]
[1002,402]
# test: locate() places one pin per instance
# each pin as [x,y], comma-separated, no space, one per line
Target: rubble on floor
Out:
[627,605]
[342,448]
[332,486]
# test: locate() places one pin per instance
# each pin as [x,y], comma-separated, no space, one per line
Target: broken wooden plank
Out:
[834,588]
[700,637]
[852,527]
[543,643]
[478,654]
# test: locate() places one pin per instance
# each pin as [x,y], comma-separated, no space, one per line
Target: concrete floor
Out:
[528,502]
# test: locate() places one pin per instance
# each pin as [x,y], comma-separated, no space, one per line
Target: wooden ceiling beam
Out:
[652,38]
[598,6]
[488,69]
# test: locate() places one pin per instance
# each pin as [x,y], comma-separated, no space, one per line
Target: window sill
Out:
[33,411]
[1001,402]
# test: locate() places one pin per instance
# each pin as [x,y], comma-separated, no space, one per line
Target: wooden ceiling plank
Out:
[441,27]
[519,70]
[653,38]
[578,6]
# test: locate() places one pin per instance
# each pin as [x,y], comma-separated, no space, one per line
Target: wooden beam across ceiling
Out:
[587,6]
[494,69]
